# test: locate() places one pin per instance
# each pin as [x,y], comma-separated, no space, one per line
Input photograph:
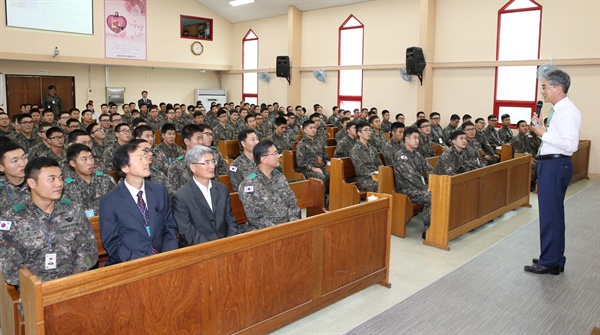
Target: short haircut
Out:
[90,128]
[121,126]
[466,124]
[396,125]
[248,117]
[47,111]
[34,110]
[204,127]
[420,122]
[559,78]
[243,135]
[360,126]
[189,130]
[195,153]
[399,114]
[492,116]
[505,116]
[384,112]
[53,130]
[344,119]
[261,149]
[315,116]
[420,112]
[409,131]
[136,121]
[373,118]
[74,150]
[166,127]
[69,121]
[280,121]
[6,147]
[23,116]
[454,117]
[139,130]
[42,125]
[432,114]
[350,124]
[519,123]
[34,166]
[198,113]
[72,137]
[113,115]
[85,111]
[63,113]
[121,157]
[221,112]
[466,116]
[307,123]
[456,134]
[479,119]
[233,111]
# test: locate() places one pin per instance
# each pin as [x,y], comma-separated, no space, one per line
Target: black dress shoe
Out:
[535,261]
[539,269]
[424,235]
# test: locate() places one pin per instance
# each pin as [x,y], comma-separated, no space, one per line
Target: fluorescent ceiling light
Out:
[235,3]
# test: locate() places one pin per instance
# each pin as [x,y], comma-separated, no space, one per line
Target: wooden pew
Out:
[402,208]
[157,137]
[506,152]
[11,320]
[438,149]
[489,192]
[581,160]
[310,194]
[330,132]
[304,272]
[179,140]
[330,142]
[343,191]
[102,254]
[229,148]
[115,176]
[330,150]
[290,165]
[225,181]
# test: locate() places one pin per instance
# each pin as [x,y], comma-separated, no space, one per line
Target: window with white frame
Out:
[250,62]
[350,52]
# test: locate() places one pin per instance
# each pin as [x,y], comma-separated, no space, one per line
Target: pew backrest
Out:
[229,148]
[290,165]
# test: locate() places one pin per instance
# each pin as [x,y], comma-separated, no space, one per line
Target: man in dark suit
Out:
[135,217]
[144,100]
[202,208]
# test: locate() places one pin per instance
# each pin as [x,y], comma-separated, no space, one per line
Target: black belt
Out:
[552,156]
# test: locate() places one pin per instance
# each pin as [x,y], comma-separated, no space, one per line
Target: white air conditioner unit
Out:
[210,95]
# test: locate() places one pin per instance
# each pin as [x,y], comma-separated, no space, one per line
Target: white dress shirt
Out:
[562,134]
[205,191]
[134,191]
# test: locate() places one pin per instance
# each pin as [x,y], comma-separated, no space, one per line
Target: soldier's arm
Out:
[253,206]
[173,178]
[86,249]
[11,259]
[293,211]
[301,158]
[235,177]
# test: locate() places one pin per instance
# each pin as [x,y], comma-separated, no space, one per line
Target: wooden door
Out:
[32,89]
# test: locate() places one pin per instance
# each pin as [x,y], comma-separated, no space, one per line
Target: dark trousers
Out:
[554,176]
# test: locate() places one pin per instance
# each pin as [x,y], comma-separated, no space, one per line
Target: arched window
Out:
[350,52]
[249,62]
[519,30]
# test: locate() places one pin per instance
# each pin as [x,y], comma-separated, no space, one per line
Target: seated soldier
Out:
[13,188]
[86,185]
[292,130]
[123,135]
[320,136]
[168,146]
[447,132]
[342,131]
[45,233]
[346,143]
[56,138]
[504,132]
[474,158]
[489,154]
[394,144]
[244,164]
[159,160]
[24,137]
[178,174]
[43,148]
[377,137]
[99,144]
[279,136]
[454,160]
[425,145]
[156,175]
[409,166]
[386,125]
[201,207]
[436,129]
[311,156]
[265,193]
[252,124]
[222,130]
[490,132]
[365,159]
[523,143]
[234,117]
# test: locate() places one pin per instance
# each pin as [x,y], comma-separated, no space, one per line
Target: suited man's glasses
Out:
[208,162]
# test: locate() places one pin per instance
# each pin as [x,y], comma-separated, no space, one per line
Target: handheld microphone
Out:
[538,111]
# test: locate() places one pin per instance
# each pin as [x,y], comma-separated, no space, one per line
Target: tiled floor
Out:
[413,266]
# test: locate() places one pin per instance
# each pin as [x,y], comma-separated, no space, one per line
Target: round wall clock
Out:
[197,48]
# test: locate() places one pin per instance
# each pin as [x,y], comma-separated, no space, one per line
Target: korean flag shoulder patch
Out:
[248,189]
[5,225]
[232,168]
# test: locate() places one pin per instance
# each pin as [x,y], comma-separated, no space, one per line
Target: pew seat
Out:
[290,166]
[229,149]
[12,322]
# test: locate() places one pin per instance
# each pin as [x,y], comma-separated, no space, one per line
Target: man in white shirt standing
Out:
[555,168]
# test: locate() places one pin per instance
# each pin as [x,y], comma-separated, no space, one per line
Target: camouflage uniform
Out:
[473,157]
[127,118]
[365,161]
[7,133]
[535,141]
[239,169]
[281,142]
[33,234]
[170,153]
[386,126]
[339,135]
[221,133]
[300,120]
[108,154]
[267,202]
[39,150]
[485,146]
[451,163]
[321,137]
[241,125]
[437,135]
[178,173]
[99,149]
[210,118]
[390,149]
[88,195]
[377,140]
[155,124]
[236,127]
[259,134]
[309,154]
[11,194]
[221,167]
[24,142]
[344,146]
[266,127]
[425,147]
[506,135]
[160,160]
[408,179]
[491,134]
[447,135]
[524,144]
[291,132]
[110,136]
[179,124]
[333,119]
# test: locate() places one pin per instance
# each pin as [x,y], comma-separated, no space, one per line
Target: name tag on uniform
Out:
[50,261]
[319,160]
[5,225]
[232,168]
[441,141]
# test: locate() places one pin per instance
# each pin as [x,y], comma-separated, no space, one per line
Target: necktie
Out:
[144,210]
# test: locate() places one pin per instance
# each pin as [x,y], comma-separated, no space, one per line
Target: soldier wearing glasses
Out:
[123,135]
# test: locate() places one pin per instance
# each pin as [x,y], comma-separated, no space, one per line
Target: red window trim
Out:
[245,39]
[350,97]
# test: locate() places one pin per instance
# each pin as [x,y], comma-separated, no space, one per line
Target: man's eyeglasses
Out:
[426,126]
[26,123]
[208,162]
[208,134]
[470,129]
[57,138]
[147,150]
[117,120]
[124,131]
[98,130]
[273,154]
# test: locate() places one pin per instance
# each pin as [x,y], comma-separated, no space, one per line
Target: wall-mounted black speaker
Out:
[415,60]
[283,66]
